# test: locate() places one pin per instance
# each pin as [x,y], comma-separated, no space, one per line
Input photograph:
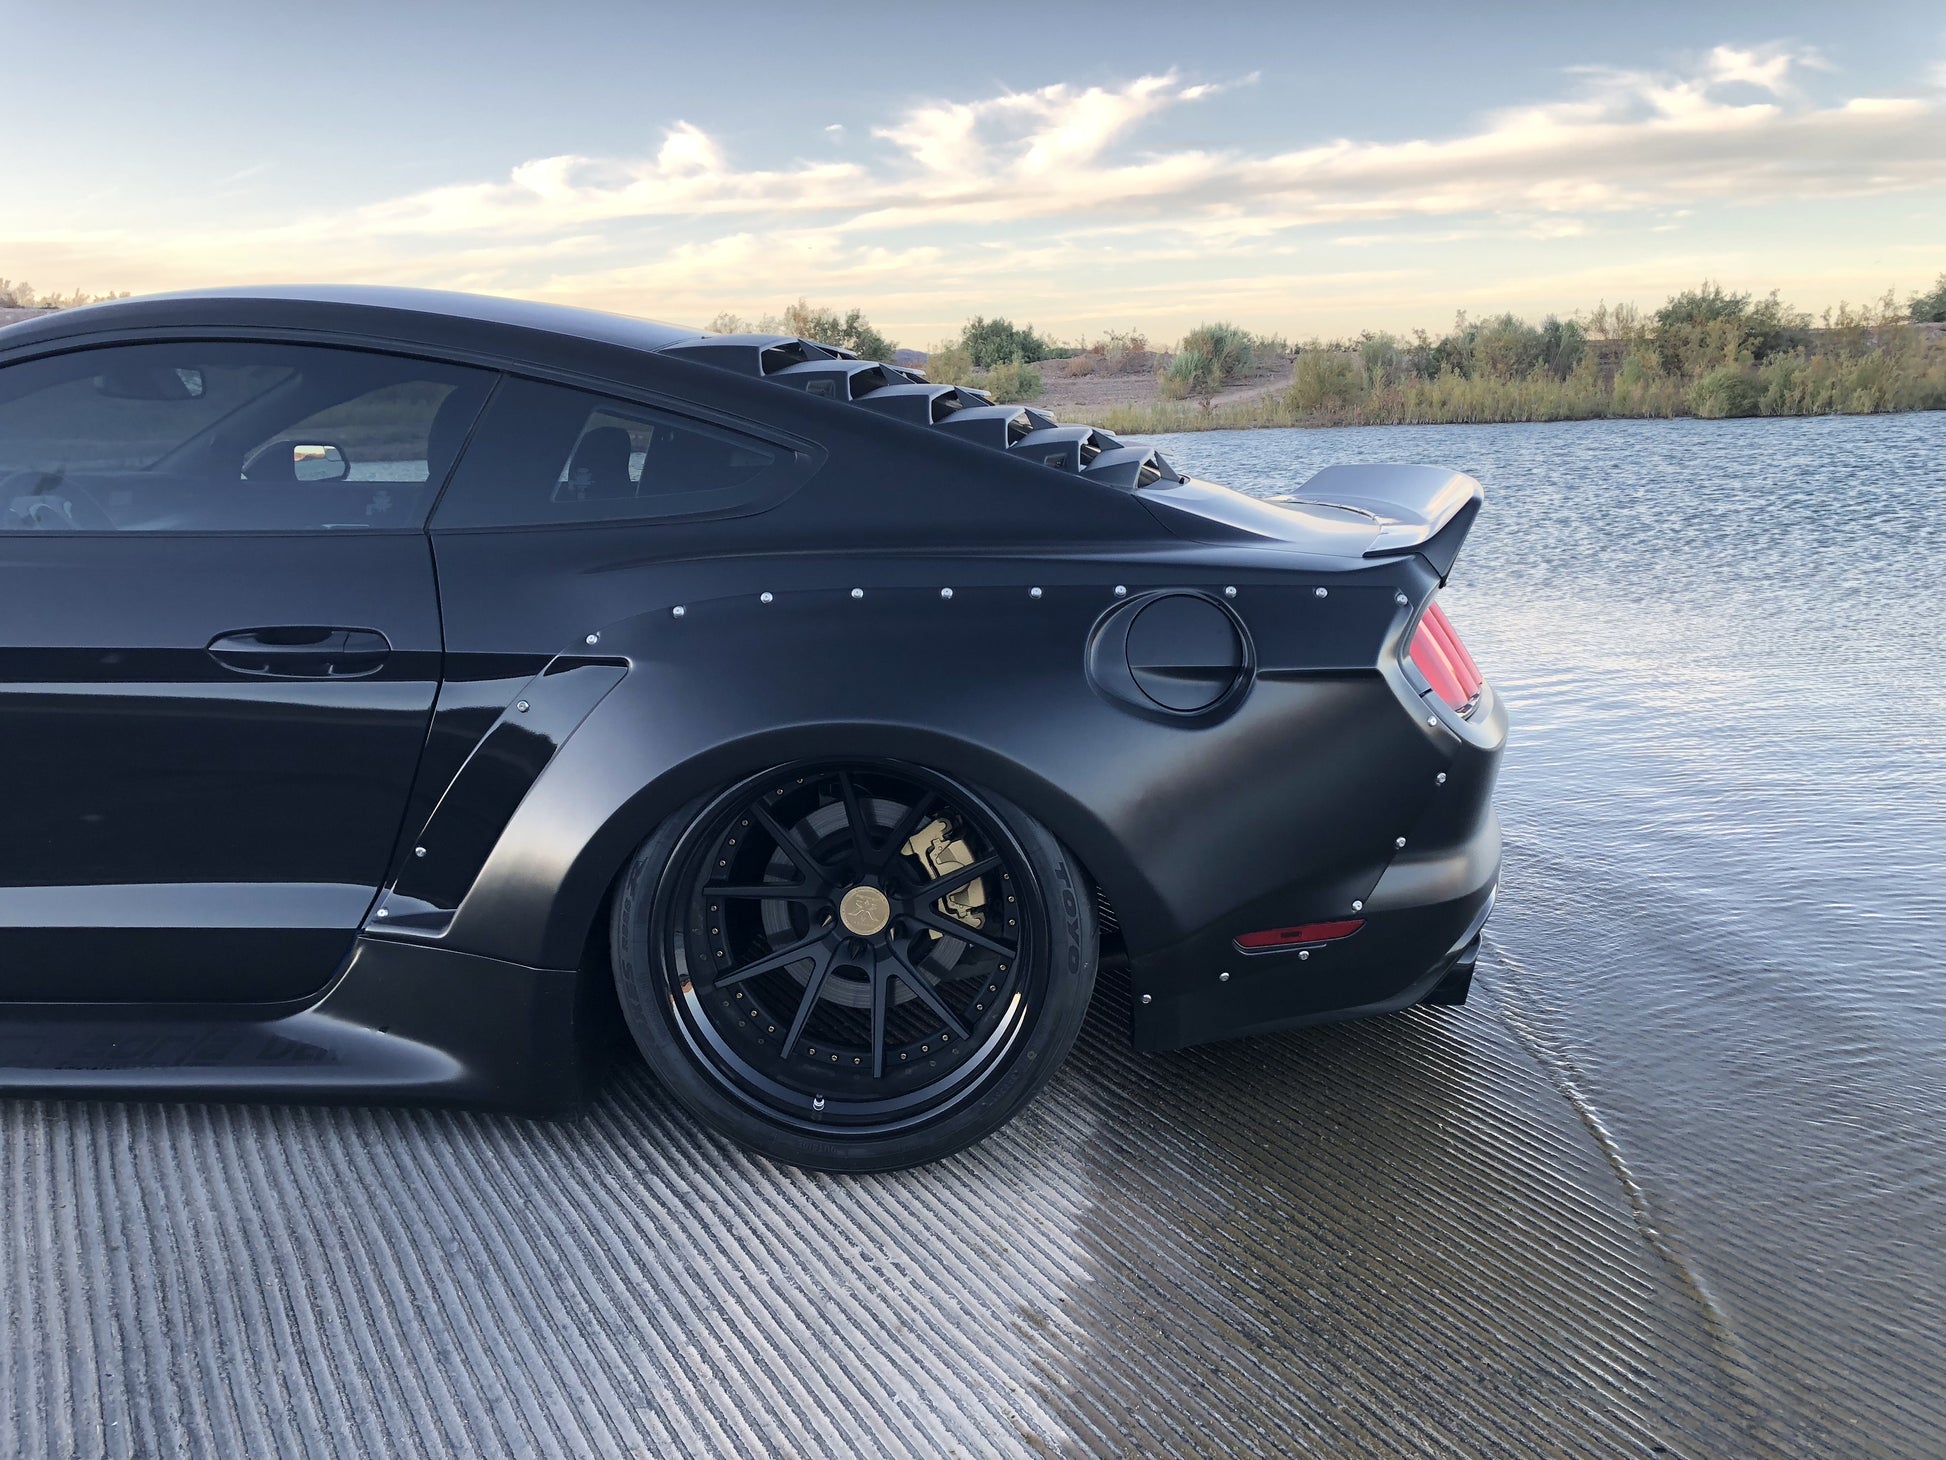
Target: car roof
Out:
[303,303]
[443,318]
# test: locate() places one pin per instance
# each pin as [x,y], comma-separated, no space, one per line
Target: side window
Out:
[228,437]
[547,454]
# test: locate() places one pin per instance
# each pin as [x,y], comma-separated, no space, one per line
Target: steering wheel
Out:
[39,499]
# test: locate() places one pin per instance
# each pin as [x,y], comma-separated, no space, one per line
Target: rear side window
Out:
[547,454]
[228,437]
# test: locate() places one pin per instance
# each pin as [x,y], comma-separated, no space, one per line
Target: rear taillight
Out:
[1439,655]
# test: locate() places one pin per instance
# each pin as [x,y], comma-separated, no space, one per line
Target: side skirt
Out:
[402,1022]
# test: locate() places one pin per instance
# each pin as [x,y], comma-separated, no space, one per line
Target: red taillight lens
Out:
[1302,933]
[1442,658]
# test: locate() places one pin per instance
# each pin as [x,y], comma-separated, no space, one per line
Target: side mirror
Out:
[150,382]
[298,461]
[319,463]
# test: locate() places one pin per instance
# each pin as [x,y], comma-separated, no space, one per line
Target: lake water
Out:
[1722,924]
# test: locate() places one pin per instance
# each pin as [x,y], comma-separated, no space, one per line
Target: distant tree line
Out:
[26,296]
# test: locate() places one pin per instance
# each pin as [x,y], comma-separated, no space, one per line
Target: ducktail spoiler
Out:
[1418,509]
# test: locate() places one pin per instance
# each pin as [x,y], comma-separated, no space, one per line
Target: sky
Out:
[1305,170]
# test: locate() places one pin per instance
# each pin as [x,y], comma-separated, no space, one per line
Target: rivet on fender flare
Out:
[1145,998]
[858,593]
[765,597]
[1033,593]
[676,612]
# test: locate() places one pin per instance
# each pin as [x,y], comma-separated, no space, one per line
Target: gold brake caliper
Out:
[940,852]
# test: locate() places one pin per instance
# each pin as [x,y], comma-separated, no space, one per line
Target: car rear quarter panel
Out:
[1282,808]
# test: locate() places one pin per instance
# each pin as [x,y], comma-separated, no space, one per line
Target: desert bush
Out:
[1728,390]
[1325,381]
[1930,307]
[1700,329]
[998,341]
[1190,374]
[1014,380]
[1227,347]
[1381,356]
[25,296]
[849,331]
[950,364]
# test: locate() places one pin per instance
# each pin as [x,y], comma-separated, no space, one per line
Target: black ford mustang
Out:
[389,675]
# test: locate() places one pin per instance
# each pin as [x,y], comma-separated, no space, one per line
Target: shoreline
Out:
[1125,423]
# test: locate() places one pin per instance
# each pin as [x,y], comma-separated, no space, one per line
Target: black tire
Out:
[714,999]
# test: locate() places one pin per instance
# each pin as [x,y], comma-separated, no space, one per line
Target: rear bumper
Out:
[1423,912]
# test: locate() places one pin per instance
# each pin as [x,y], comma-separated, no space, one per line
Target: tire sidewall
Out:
[1071,942]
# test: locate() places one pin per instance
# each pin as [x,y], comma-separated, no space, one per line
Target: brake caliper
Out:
[940,852]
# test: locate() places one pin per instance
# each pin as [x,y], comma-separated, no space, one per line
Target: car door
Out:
[219,649]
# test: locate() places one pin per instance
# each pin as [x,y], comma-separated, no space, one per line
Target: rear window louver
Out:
[925,405]
[752,354]
[905,394]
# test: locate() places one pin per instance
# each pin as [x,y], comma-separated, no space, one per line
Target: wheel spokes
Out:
[813,870]
[915,817]
[827,832]
[953,881]
[779,958]
[813,986]
[861,836]
[881,993]
[953,928]
[923,991]
[767,891]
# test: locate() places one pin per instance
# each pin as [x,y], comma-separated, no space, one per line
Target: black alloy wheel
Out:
[854,966]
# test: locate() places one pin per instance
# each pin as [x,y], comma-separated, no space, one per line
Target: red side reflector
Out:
[1302,933]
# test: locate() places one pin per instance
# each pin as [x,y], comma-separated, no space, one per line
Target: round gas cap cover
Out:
[1184,652]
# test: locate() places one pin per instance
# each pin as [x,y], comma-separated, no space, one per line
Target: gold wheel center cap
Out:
[865,911]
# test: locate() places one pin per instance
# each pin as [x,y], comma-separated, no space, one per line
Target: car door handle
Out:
[301,651]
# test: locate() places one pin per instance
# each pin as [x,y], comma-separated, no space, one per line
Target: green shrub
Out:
[996,341]
[1227,347]
[1191,373]
[826,327]
[1929,308]
[1702,328]
[1015,380]
[850,331]
[1326,381]
[950,364]
[1728,390]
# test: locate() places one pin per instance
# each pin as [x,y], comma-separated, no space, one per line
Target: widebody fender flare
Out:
[1181,820]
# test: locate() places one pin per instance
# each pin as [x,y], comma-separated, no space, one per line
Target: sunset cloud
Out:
[1046,186]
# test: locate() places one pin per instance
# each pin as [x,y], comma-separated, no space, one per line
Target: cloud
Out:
[1066,186]
[1074,156]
